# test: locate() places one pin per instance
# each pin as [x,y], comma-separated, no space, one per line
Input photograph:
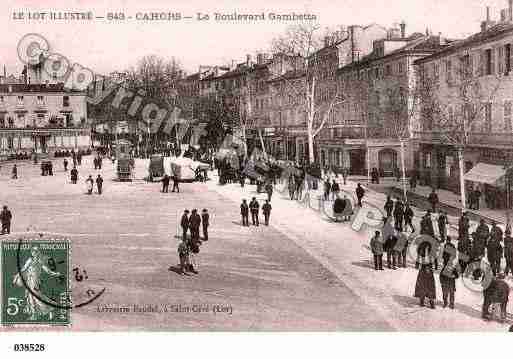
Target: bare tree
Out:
[303,41]
[455,115]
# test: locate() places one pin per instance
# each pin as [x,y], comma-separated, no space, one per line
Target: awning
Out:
[485,173]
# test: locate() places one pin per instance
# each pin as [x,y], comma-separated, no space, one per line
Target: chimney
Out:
[248,60]
[326,41]
[403,29]
[504,15]
[260,58]
[487,14]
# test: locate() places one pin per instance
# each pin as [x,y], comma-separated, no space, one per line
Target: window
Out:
[488,62]
[427,160]
[507,55]
[448,71]
[487,107]
[1,99]
[40,100]
[436,73]
[501,60]
[2,120]
[466,67]
[65,101]
[507,116]
[400,67]
[20,100]
[388,70]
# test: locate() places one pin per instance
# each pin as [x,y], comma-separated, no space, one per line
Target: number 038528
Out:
[29,347]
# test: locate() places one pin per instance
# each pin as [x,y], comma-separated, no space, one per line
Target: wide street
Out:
[126,240]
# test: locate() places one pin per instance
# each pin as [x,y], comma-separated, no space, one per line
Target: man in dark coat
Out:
[165,183]
[496,232]
[425,284]
[269,190]
[449,274]
[184,223]
[338,208]
[99,183]
[335,189]
[463,226]
[244,212]
[6,218]
[426,225]
[398,215]
[205,222]
[360,192]
[376,245]
[477,198]
[408,217]
[254,207]
[496,292]
[508,251]
[65,163]
[494,254]
[389,206]
[266,210]
[14,172]
[480,240]
[74,175]
[442,225]
[327,189]
[175,184]
[464,251]
[194,225]
[433,199]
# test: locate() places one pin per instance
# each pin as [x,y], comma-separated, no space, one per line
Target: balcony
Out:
[475,139]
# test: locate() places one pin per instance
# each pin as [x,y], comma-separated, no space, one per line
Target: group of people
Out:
[46,168]
[97,161]
[254,208]
[90,183]
[165,183]
[190,245]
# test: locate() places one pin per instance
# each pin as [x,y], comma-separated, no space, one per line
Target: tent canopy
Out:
[485,173]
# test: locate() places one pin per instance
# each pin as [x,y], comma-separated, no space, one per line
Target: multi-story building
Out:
[379,110]
[42,118]
[469,110]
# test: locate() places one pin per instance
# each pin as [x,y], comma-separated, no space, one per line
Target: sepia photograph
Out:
[248,167]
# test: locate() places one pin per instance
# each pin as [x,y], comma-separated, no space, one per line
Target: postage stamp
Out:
[35,282]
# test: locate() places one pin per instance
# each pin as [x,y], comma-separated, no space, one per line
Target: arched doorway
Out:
[387,161]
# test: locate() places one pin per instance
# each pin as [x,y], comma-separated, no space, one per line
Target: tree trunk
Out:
[311,154]
[462,180]
[403,168]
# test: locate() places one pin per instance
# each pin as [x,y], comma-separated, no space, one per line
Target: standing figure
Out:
[99,183]
[89,184]
[254,207]
[508,251]
[165,183]
[408,217]
[496,292]
[6,218]
[425,285]
[65,163]
[292,187]
[269,190]
[494,253]
[376,245]
[74,175]
[244,212]
[205,222]
[449,274]
[335,189]
[389,206]
[442,225]
[360,192]
[266,210]
[327,189]
[398,215]
[194,225]
[175,184]
[183,255]
[433,199]
[184,223]
[390,241]
[14,172]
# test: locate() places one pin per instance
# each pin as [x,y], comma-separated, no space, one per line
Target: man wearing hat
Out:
[508,251]
[5,218]
[194,224]
[184,223]
[205,218]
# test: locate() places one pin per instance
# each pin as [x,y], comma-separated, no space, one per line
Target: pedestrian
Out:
[338,208]
[508,251]
[345,173]
[425,284]
[205,222]
[463,226]
[175,184]
[194,225]
[183,254]
[433,199]
[390,241]
[497,291]
[413,182]
[74,175]
[389,206]
[408,217]
[266,210]
[496,232]
[376,245]
[184,223]
[89,184]
[327,189]
[494,253]
[449,274]
[99,183]
[165,183]
[360,192]
[65,163]
[464,251]
[95,162]
[348,209]
[291,187]
[14,172]
[44,170]
[254,207]
[442,225]
[477,198]
[398,215]
[79,158]
[6,218]
[269,190]
[402,248]
[244,212]
[335,189]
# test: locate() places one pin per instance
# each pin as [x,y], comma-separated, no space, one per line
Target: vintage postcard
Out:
[340,166]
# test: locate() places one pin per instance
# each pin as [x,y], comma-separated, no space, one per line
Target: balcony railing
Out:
[475,138]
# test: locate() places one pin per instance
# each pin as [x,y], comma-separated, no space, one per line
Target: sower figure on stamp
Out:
[244,212]
[184,223]
[5,218]
[205,222]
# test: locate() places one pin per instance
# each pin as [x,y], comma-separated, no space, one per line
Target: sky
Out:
[105,46]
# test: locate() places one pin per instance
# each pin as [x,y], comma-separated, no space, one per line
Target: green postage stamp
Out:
[35,282]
